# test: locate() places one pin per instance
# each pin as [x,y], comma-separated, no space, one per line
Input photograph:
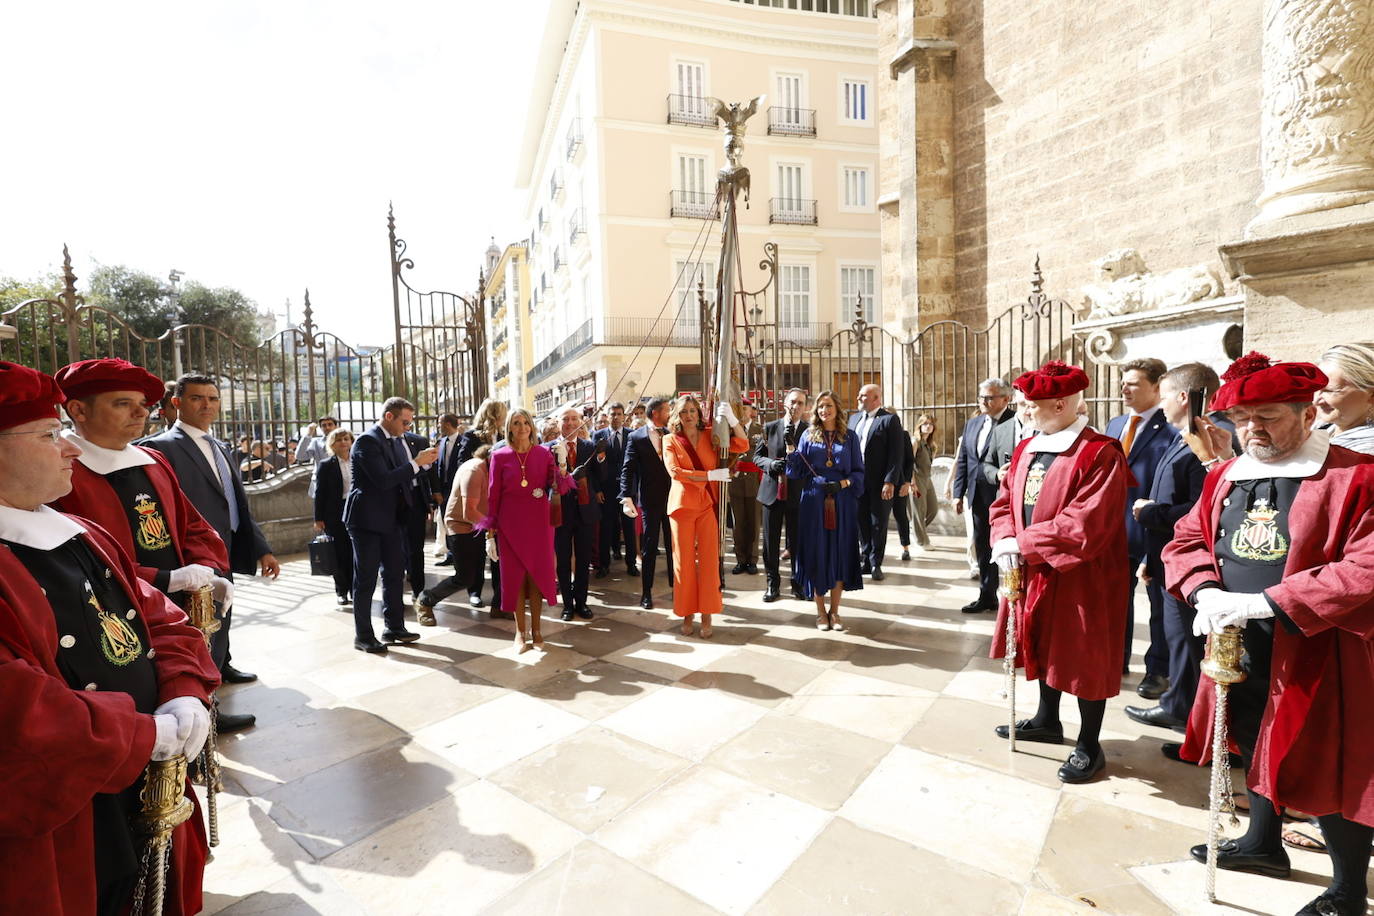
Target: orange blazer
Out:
[689,491]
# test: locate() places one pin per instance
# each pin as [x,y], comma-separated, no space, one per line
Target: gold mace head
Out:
[200,608]
[1224,651]
[163,800]
[1011,584]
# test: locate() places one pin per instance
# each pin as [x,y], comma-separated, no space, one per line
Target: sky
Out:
[257,144]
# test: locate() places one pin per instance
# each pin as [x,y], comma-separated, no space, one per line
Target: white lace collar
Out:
[1062,441]
[105,460]
[1306,461]
[41,529]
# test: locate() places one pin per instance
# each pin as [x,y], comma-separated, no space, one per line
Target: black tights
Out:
[1090,711]
[1348,844]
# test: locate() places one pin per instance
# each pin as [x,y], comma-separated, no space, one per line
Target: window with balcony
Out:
[687,103]
[856,282]
[693,197]
[857,187]
[576,226]
[794,296]
[789,206]
[555,186]
[855,101]
[692,278]
[574,137]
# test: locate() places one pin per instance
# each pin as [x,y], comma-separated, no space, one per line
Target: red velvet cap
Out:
[94,376]
[1055,379]
[1253,379]
[26,395]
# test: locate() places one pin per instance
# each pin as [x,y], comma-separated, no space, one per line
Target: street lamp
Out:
[173,316]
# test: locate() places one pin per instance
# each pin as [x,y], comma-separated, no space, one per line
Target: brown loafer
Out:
[424,615]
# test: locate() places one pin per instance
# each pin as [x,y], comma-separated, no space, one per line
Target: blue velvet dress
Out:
[826,558]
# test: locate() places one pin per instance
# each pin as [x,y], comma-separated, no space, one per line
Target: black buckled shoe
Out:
[1329,904]
[1269,864]
[1025,731]
[1080,767]
[584,612]
[1154,715]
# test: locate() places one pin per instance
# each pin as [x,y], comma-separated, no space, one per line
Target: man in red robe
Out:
[1281,543]
[99,674]
[130,491]
[1059,515]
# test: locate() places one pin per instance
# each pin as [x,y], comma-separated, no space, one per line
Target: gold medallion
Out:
[118,641]
[1258,537]
[1034,481]
[524,482]
[152,531]
[830,464]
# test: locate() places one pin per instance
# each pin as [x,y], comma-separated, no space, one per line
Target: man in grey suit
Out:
[983,450]
[201,463]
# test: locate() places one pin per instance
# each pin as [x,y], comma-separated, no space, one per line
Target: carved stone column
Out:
[1318,106]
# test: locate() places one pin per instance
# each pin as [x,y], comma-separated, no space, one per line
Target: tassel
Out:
[830,521]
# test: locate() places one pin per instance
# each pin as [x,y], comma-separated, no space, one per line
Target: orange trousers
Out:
[696,562]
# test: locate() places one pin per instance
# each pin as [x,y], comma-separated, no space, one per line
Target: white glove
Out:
[189,578]
[1006,553]
[223,592]
[491,550]
[628,505]
[718,475]
[726,412]
[166,745]
[1218,609]
[192,724]
[560,451]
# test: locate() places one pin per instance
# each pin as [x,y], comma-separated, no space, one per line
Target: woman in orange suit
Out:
[690,457]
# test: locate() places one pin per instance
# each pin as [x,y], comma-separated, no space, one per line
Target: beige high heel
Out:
[687,625]
[705,626]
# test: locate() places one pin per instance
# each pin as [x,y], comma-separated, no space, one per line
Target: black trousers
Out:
[617,529]
[1157,655]
[1185,657]
[874,515]
[573,545]
[655,524]
[469,552]
[375,552]
[901,510]
[343,561]
[982,546]
[417,524]
[778,519]
[1248,698]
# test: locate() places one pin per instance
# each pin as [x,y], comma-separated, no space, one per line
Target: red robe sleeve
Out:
[1080,530]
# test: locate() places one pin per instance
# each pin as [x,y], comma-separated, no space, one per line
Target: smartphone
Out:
[1197,403]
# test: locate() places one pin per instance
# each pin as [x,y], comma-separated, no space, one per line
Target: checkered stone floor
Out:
[774,769]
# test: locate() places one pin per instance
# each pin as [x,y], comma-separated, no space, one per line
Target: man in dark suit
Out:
[214,487]
[376,513]
[418,514]
[616,527]
[644,485]
[443,471]
[880,443]
[573,540]
[1177,487]
[780,498]
[976,478]
[1145,436]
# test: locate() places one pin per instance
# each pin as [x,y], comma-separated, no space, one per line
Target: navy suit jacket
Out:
[1152,440]
[572,509]
[643,476]
[377,501]
[201,484]
[329,493]
[1177,487]
[417,443]
[975,475]
[883,453]
[615,460]
[771,455]
[444,469]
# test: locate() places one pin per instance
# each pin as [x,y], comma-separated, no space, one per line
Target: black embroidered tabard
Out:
[147,520]
[1252,535]
[1035,480]
[102,645]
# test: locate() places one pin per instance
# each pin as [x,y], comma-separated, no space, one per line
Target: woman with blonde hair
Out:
[690,457]
[522,478]
[1346,404]
[830,470]
[488,427]
[926,502]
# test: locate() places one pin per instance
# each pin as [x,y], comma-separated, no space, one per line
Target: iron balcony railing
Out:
[558,261]
[576,226]
[658,332]
[555,186]
[574,137]
[499,339]
[693,204]
[692,110]
[501,372]
[800,334]
[792,211]
[575,345]
[791,122]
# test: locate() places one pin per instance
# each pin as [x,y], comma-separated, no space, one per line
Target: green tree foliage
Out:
[223,309]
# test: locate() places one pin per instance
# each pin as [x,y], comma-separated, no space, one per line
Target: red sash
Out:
[696,462]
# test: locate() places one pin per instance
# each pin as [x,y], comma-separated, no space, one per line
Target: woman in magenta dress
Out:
[523,476]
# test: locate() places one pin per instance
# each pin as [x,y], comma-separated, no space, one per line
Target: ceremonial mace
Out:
[200,607]
[1010,588]
[1222,665]
[164,807]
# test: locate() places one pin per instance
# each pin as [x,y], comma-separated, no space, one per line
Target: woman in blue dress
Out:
[827,465]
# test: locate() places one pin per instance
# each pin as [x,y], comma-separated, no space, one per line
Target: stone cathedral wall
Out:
[1082,126]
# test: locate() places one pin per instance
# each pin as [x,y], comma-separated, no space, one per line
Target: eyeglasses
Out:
[52,435]
[991,397]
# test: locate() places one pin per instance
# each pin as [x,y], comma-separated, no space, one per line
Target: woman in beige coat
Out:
[467,505]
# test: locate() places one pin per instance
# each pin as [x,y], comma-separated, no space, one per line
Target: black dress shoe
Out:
[1154,715]
[234,721]
[770,596]
[1269,864]
[567,614]
[865,569]
[446,561]
[1172,751]
[584,612]
[1025,731]
[739,568]
[370,644]
[752,569]
[1329,904]
[631,570]
[497,614]
[977,607]
[878,574]
[1080,767]
[646,602]
[602,572]
[401,635]
[1152,686]
[232,675]
[798,595]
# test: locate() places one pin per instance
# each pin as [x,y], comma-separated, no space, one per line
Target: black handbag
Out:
[322,560]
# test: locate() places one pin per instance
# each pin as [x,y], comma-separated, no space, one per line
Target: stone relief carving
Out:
[1318,106]
[1127,285]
